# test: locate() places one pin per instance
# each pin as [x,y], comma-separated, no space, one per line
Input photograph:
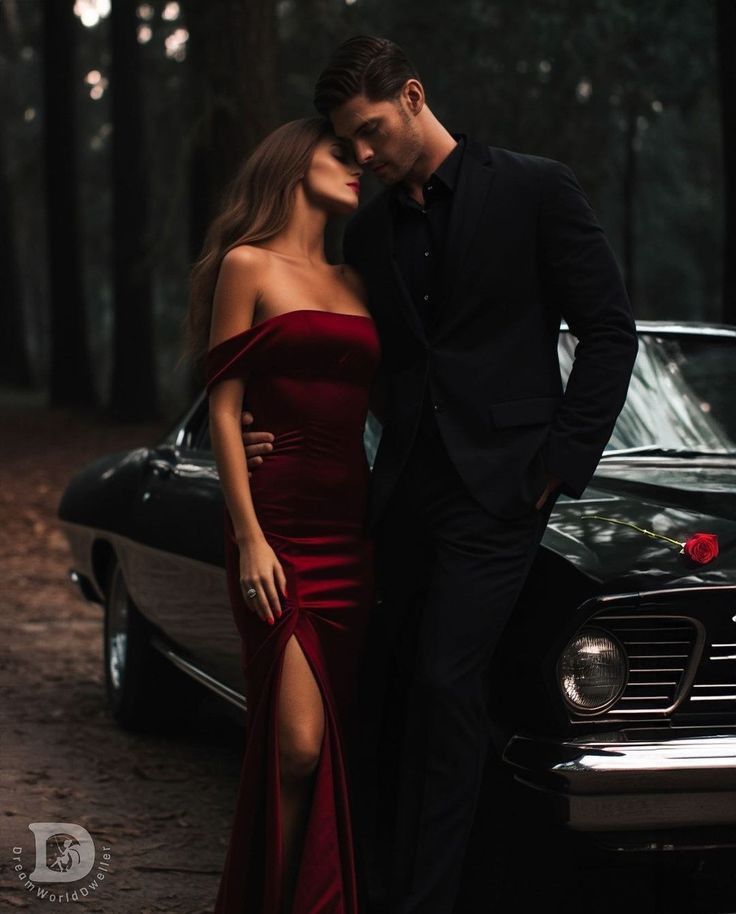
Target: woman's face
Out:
[332,180]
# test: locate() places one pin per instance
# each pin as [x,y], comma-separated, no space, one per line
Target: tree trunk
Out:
[133,389]
[70,377]
[726,41]
[232,70]
[231,62]
[15,367]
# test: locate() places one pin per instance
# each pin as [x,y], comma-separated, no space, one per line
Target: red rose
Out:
[701,547]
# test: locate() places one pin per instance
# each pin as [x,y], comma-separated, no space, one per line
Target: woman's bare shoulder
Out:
[241,279]
[246,255]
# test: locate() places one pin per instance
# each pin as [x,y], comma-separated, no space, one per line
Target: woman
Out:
[291,333]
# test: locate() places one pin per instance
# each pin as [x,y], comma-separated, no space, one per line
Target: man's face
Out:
[385,136]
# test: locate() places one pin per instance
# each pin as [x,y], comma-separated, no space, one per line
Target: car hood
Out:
[673,498]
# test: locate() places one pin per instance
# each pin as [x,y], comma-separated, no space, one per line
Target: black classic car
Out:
[615,681]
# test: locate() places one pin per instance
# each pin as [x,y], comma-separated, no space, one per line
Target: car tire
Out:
[144,690]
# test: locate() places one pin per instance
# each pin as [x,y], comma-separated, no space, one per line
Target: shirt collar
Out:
[446,172]
[449,167]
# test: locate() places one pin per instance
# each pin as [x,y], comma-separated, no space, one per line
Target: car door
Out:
[180,586]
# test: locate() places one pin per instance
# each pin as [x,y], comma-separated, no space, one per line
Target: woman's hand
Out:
[260,569]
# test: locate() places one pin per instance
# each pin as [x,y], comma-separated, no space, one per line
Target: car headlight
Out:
[592,670]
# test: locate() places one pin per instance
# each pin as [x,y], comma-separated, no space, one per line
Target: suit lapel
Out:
[459,270]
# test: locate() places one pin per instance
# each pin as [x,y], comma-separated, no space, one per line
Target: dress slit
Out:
[325,880]
[275,859]
[307,377]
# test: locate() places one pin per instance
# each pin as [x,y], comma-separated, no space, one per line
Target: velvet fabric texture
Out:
[307,377]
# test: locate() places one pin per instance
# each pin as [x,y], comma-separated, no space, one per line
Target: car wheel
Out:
[144,690]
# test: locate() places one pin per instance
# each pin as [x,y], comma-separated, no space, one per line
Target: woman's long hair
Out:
[256,205]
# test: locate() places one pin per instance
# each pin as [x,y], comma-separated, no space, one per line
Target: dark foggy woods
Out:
[122,122]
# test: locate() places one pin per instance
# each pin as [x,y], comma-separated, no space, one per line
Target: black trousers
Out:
[449,575]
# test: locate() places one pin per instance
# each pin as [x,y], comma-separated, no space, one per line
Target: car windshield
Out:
[680,397]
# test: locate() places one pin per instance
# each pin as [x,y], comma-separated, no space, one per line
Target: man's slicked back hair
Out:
[363,65]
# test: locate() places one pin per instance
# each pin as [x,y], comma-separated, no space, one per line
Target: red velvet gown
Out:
[307,375]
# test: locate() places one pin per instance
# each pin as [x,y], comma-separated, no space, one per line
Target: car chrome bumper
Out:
[609,783]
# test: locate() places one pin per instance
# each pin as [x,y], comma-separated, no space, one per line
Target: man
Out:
[471,256]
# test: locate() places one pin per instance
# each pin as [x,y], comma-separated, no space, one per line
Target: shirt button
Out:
[438,406]
[426,297]
[429,187]
[426,253]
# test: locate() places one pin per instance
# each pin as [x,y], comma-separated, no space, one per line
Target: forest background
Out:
[122,121]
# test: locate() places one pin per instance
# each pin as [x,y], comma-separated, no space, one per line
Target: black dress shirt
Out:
[420,232]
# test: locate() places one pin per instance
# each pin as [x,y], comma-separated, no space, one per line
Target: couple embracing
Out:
[369,602]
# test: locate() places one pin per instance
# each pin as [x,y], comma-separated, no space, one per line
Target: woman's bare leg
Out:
[301,727]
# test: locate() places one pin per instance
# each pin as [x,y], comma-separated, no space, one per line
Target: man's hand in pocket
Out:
[552,483]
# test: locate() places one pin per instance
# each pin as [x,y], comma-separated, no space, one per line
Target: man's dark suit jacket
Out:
[523,249]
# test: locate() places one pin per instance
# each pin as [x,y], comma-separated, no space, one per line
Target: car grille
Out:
[714,689]
[661,653]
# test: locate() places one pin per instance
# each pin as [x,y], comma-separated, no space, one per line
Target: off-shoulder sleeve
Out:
[231,358]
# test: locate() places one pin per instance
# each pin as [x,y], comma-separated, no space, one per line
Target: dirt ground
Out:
[161,804]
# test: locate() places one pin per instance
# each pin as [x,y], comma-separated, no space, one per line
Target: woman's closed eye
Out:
[341,153]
